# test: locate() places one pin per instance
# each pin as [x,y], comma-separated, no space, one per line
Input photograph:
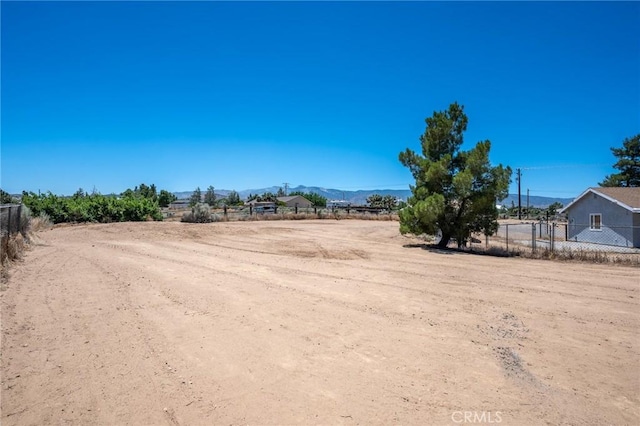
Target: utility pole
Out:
[286,188]
[527,203]
[519,177]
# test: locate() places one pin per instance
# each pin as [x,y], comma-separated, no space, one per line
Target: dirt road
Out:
[310,322]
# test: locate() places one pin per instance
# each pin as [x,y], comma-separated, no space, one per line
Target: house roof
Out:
[628,198]
[291,197]
[255,202]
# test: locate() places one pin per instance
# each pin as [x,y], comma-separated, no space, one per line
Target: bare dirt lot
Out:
[310,322]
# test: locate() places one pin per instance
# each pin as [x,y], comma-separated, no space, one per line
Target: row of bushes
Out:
[92,208]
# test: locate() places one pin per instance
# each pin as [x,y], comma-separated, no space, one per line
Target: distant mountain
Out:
[360,196]
[354,197]
[534,201]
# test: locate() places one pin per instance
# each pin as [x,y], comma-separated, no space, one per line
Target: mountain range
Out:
[360,196]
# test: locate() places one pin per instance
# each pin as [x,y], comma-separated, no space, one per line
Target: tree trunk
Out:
[444,241]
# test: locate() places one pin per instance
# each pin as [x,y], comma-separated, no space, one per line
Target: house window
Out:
[595,222]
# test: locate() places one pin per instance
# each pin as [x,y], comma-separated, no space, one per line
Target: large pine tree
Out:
[455,191]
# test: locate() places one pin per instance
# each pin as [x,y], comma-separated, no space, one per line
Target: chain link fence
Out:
[563,237]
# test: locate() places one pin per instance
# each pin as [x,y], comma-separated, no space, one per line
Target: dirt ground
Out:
[310,322]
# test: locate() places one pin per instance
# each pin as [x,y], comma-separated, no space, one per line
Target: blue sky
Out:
[249,95]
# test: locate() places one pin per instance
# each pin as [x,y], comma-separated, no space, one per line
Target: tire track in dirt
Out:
[79,333]
[395,336]
[473,302]
[507,277]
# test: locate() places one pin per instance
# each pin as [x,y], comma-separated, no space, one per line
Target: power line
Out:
[379,186]
[563,166]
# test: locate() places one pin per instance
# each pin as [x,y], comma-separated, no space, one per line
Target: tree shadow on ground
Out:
[434,248]
[464,250]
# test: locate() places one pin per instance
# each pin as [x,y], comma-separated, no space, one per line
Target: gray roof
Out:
[628,198]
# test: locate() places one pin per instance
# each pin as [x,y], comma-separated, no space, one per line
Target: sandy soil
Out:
[310,322]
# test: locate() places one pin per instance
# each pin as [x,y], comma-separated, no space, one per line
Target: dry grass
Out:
[12,248]
[41,223]
[14,245]
[565,255]
[585,256]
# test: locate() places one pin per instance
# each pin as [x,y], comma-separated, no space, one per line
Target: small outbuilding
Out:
[262,206]
[605,216]
[295,200]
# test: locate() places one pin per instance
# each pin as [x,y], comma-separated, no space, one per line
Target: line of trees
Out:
[141,203]
[94,207]
[211,199]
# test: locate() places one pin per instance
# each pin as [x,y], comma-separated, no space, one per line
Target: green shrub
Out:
[92,208]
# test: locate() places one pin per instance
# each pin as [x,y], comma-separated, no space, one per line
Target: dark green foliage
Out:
[233,199]
[149,192]
[210,196]
[92,207]
[5,197]
[165,198]
[552,210]
[196,197]
[317,200]
[267,196]
[455,191]
[386,202]
[628,164]
[79,193]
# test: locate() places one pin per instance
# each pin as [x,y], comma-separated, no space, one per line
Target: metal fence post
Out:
[507,226]
[9,222]
[553,237]
[20,218]
[533,237]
